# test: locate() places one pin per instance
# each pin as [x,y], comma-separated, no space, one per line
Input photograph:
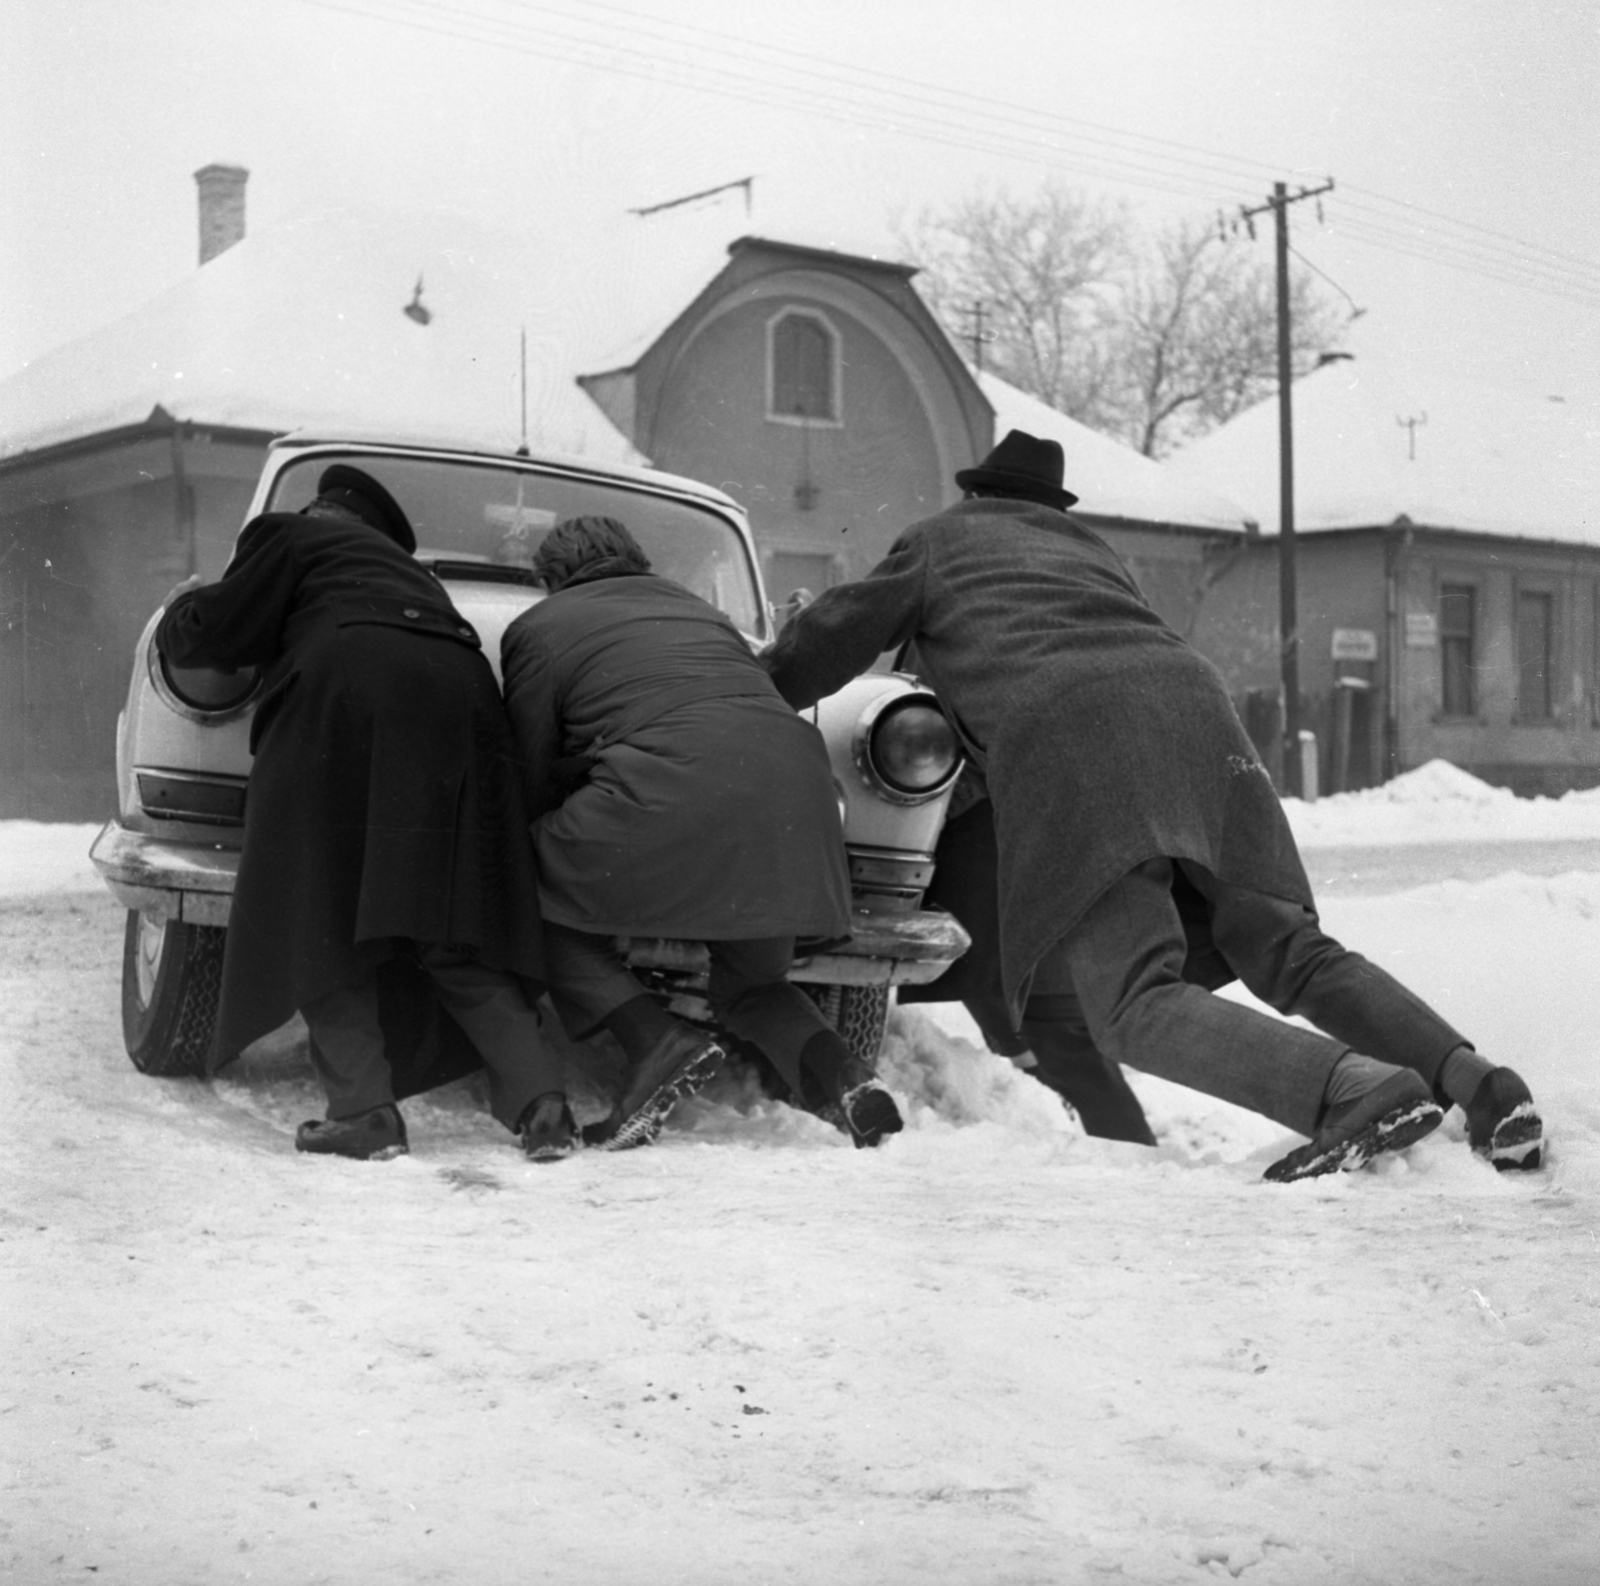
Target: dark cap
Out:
[1022,465]
[357,491]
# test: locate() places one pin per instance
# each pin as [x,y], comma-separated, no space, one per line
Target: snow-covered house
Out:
[811,383]
[1447,555]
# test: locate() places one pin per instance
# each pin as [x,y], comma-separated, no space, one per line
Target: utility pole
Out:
[1288,614]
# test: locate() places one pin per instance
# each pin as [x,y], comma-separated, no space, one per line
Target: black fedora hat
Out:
[357,491]
[1022,465]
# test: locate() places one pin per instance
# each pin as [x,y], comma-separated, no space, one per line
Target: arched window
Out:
[802,358]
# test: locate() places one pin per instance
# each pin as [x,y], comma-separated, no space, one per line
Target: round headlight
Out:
[203,693]
[913,748]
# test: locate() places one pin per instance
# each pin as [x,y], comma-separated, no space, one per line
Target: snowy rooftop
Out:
[303,324]
[1112,480]
[1485,460]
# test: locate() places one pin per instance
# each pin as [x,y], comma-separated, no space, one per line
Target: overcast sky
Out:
[1458,132]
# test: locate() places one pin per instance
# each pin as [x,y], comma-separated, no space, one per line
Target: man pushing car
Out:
[1122,783]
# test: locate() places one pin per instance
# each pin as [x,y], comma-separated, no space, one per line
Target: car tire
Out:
[171,984]
[859,1013]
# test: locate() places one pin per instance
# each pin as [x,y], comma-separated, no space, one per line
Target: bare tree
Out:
[1195,337]
[1154,340]
[1042,272]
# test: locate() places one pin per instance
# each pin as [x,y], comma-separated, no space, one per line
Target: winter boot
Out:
[678,1064]
[372,1136]
[1362,1119]
[1502,1123]
[547,1129]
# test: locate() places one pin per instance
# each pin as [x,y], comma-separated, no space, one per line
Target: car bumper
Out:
[194,883]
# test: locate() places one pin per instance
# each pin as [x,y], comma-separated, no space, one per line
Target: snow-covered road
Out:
[994,1351]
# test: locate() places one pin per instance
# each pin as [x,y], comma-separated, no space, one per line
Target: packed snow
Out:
[994,1351]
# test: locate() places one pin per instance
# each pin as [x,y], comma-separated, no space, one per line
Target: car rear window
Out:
[500,513]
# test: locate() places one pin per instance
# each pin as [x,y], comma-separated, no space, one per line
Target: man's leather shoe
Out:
[548,1131]
[676,1066]
[372,1136]
[1502,1123]
[1392,1115]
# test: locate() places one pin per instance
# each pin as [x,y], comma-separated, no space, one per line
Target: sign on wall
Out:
[1355,644]
[1422,630]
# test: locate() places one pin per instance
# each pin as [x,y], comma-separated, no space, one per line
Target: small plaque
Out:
[1355,644]
[1422,630]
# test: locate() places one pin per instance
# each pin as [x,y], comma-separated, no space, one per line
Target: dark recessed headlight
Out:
[203,693]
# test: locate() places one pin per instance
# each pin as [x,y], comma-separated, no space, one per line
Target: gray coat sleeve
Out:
[841,633]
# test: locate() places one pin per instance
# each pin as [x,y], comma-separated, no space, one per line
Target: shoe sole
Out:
[872,1118]
[642,1127]
[1517,1144]
[1394,1131]
[384,1153]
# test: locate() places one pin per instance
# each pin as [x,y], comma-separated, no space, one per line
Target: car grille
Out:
[888,881]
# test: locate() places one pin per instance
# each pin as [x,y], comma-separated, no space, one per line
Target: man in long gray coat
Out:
[702,808]
[1117,768]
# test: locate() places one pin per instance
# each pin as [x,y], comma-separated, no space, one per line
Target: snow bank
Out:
[1440,803]
[41,856]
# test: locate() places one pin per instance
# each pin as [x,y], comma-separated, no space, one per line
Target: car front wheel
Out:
[171,983]
[859,1013]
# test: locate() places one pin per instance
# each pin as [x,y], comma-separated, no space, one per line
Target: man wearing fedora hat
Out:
[383,840]
[1141,856]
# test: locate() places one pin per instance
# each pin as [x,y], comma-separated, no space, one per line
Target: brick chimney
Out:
[221,208]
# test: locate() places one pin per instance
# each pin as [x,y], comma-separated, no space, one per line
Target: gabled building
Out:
[1448,569]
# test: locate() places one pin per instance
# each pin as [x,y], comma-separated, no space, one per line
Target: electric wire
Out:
[864,97]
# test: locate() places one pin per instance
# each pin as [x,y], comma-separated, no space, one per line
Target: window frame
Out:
[1472,586]
[834,418]
[1549,591]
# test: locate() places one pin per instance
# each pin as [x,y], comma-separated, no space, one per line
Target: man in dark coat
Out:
[384,817]
[1116,766]
[705,811]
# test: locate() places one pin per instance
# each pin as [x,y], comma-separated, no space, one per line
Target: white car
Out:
[183,762]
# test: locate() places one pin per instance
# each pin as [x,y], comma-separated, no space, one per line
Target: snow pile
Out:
[1440,803]
[41,856]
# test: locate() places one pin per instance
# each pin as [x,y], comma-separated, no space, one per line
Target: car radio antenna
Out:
[522,450]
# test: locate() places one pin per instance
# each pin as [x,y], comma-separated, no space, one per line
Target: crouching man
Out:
[674,794]
[383,825]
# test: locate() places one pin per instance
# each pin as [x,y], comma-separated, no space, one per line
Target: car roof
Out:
[650,478]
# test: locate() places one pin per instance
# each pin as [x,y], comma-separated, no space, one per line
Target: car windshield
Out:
[499,513]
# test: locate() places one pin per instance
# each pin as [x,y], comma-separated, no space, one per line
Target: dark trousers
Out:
[747,989]
[1122,964]
[347,1039]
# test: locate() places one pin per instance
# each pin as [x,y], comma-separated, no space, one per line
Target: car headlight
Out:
[203,693]
[906,748]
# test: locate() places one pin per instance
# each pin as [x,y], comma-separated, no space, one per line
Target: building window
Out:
[1534,612]
[1458,621]
[802,369]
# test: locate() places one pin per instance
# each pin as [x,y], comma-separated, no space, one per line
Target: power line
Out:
[768,75]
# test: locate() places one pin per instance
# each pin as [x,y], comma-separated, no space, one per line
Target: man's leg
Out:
[490,1007]
[347,1049]
[751,996]
[592,988]
[347,1052]
[1125,960]
[1281,954]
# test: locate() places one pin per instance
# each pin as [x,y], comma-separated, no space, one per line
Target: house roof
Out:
[1486,461]
[1112,480]
[303,324]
